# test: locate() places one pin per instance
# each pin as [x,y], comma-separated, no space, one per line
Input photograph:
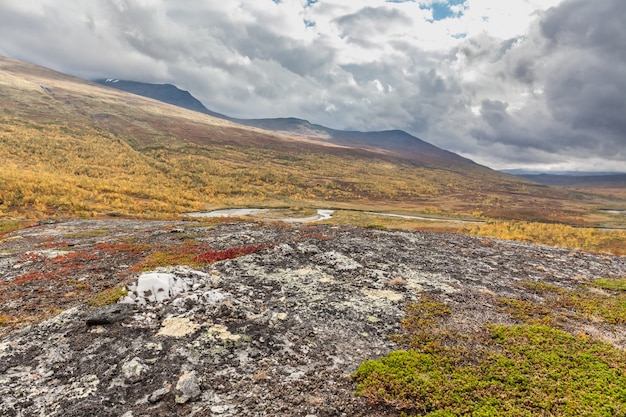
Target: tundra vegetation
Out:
[72,148]
[57,170]
[535,366]
[553,234]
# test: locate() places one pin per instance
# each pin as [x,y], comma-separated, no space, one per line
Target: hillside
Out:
[397,143]
[391,142]
[72,147]
[166,93]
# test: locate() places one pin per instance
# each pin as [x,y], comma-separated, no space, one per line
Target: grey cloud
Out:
[585,84]
[431,84]
[598,25]
[365,26]
[484,48]
[293,55]
[559,92]
[494,112]
[524,71]
[566,78]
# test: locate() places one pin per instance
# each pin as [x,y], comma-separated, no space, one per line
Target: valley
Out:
[73,148]
[176,262]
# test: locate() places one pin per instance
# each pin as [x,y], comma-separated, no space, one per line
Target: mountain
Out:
[580,180]
[522,172]
[70,147]
[392,142]
[167,93]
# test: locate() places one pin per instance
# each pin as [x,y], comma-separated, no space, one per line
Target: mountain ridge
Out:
[167,93]
[617,180]
[397,142]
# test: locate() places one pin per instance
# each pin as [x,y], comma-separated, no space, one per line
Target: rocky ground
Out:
[274,332]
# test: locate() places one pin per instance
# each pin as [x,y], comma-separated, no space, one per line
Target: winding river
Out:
[322,214]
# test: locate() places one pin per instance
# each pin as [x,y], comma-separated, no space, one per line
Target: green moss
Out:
[422,317]
[541,287]
[591,306]
[559,305]
[612,284]
[107,297]
[523,370]
[528,312]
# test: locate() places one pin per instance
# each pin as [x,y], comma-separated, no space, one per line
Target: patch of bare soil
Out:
[274,332]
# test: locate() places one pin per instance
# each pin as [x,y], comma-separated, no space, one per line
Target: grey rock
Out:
[277,332]
[110,314]
[158,395]
[187,387]
[133,371]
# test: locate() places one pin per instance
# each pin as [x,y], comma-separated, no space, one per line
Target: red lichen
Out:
[220,255]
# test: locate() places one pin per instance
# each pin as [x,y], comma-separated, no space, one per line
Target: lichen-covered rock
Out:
[109,314]
[133,370]
[273,333]
[158,395]
[177,327]
[187,387]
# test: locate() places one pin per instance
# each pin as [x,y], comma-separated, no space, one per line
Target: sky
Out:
[534,84]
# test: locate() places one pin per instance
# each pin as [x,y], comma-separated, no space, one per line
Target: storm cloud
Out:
[529,83]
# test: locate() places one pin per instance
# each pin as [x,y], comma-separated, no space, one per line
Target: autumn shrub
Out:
[612,241]
[170,255]
[7,320]
[220,255]
[193,254]
[127,248]
[7,226]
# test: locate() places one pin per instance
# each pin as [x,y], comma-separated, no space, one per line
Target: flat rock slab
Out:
[109,314]
[277,332]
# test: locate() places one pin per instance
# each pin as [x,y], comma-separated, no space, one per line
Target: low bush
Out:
[520,370]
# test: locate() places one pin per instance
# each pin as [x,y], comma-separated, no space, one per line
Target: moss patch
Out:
[107,297]
[521,370]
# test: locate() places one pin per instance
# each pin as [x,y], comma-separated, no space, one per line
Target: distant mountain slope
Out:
[395,142]
[392,142]
[605,181]
[166,93]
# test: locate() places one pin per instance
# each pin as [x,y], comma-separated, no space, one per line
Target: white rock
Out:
[214,296]
[219,409]
[154,286]
[179,286]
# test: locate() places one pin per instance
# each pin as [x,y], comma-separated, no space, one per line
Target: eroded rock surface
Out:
[273,333]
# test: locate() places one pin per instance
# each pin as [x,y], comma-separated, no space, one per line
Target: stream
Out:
[322,214]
